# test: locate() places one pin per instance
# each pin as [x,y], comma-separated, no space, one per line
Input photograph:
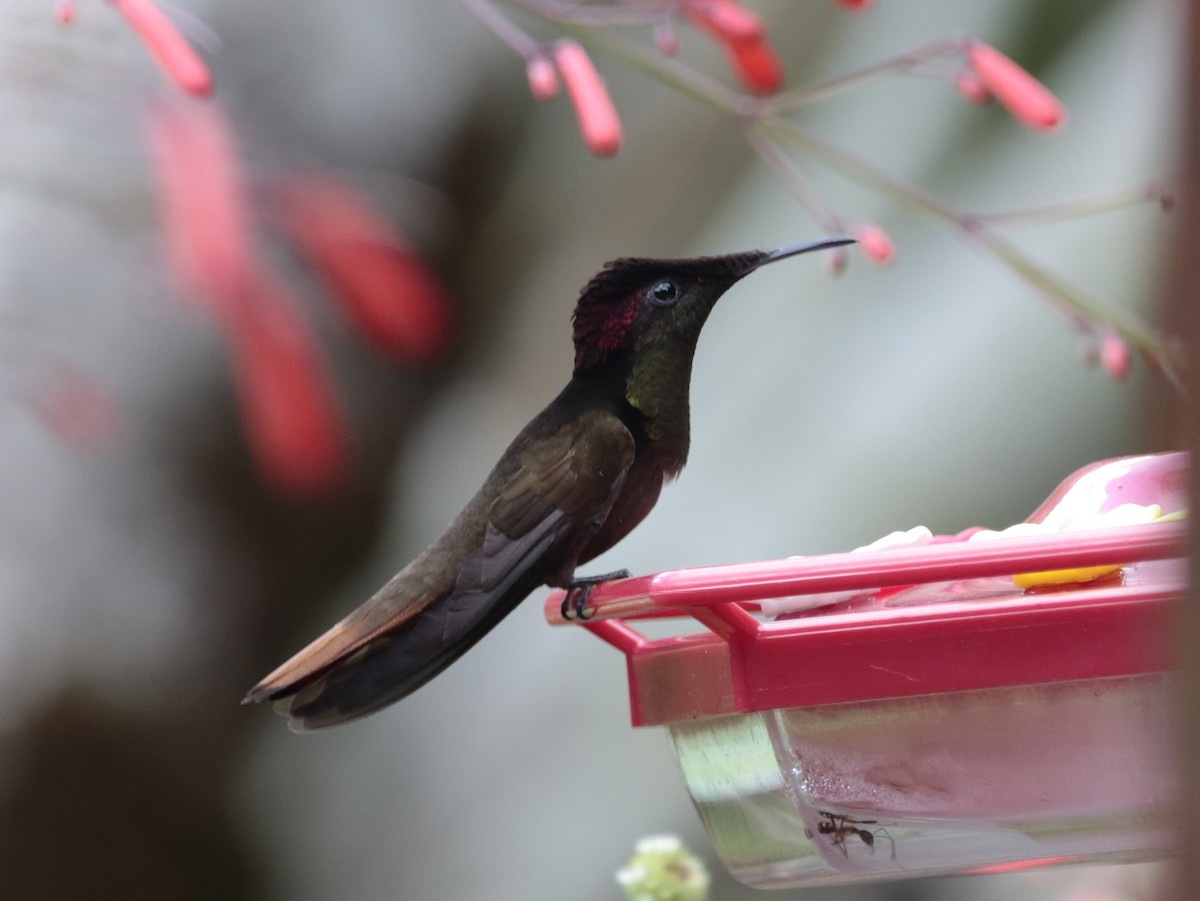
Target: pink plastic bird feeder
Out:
[964,705]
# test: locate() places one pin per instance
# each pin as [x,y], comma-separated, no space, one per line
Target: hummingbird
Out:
[573,483]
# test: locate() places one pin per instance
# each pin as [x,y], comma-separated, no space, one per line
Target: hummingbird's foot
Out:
[577,593]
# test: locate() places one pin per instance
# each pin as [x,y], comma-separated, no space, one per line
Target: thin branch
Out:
[809,197]
[767,129]
[503,28]
[1151,192]
[785,131]
[795,98]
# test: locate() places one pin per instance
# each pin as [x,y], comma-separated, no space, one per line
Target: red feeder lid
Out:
[943,617]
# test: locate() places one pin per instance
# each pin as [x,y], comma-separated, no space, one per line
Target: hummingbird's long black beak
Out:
[793,249]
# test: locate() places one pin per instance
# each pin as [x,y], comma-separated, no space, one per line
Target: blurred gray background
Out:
[147,583]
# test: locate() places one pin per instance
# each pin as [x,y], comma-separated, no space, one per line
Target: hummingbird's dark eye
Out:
[664,292]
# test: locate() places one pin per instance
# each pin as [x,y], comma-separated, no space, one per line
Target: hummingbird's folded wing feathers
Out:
[541,504]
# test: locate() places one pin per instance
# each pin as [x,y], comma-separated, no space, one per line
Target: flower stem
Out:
[803,96]
[767,129]
[1151,192]
[500,25]
[809,197]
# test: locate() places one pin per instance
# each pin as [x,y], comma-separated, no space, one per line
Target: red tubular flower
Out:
[855,4]
[383,286]
[202,203]
[543,78]
[1027,99]
[598,120]
[757,65]
[876,244]
[744,36]
[290,416]
[168,46]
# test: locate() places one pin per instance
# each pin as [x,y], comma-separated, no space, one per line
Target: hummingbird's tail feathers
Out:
[350,688]
[391,607]
[396,664]
[322,688]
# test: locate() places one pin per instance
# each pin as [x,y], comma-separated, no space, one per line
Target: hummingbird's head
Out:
[634,304]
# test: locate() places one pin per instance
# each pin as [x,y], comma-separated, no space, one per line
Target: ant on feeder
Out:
[837,826]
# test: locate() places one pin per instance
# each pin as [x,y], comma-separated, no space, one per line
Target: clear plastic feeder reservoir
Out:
[971,703]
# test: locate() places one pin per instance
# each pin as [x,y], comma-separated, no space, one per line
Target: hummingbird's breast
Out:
[649,394]
[639,493]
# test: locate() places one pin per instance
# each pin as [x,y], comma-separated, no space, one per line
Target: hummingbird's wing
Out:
[542,503]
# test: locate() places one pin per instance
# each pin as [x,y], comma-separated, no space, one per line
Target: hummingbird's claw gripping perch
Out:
[578,591]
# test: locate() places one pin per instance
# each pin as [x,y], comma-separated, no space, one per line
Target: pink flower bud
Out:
[168,46]
[836,261]
[1026,98]
[543,79]
[598,121]
[65,12]
[1114,354]
[290,415]
[876,245]
[383,286]
[726,20]
[855,4]
[665,37]
[971,87]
